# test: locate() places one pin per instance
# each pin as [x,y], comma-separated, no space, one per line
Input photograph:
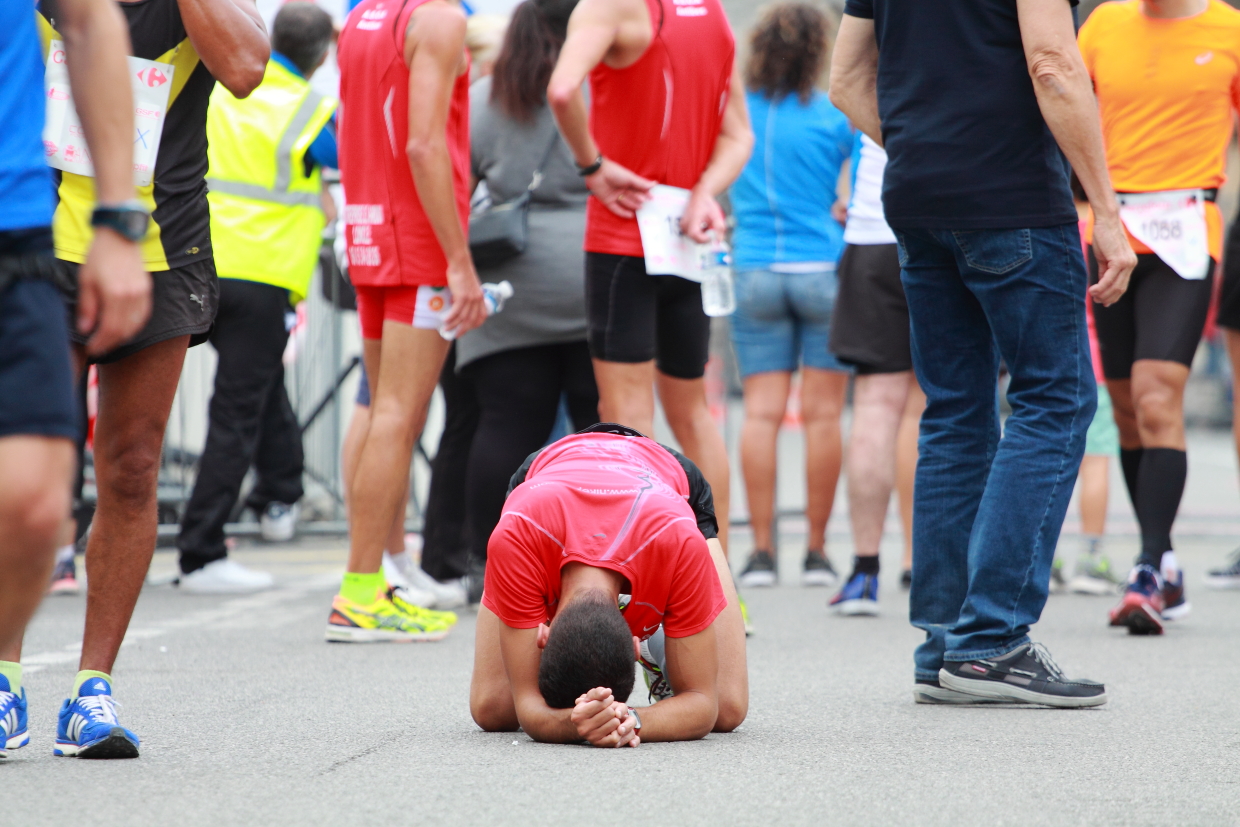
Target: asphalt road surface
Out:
[248,717]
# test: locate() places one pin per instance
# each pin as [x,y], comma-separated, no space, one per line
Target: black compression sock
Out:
[1160,485]
[865,565]
[1130,462]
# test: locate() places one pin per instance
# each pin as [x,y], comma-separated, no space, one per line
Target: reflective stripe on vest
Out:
[284,164]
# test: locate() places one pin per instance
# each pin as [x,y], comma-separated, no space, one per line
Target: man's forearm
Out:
[854,76]
[1067,101]
[431,166]
[230,38]
[547,725]
[685,716]
[729,158]
[574,122]
[96,43]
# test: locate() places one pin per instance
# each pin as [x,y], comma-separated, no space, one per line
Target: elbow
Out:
[560,95]
[422,153]
[1053,69]
[246,74]
[731,715]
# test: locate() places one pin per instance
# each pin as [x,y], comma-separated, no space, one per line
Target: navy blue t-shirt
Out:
[967,146]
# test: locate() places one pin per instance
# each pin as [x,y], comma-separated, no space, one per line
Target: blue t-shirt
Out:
[26,193]
[783,197]
[966,143]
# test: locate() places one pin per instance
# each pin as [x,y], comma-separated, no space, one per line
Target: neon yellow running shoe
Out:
[745,615]
[428,616]
[382,621]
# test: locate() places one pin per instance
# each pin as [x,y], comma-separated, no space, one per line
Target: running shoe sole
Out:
[116,744]
[347,634]
[1015,694]
[65,586]
[758,579]
[1177,612]
[857,608]
[1139,617]
[1091,585]
[16,742]
[819,578]
[1217,581]
[924,693]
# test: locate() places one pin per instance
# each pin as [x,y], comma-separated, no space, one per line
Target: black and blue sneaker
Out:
[858,597]
[14,723]
[88,726]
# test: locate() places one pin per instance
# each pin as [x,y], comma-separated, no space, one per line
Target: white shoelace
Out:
[1044,657]
[102,708]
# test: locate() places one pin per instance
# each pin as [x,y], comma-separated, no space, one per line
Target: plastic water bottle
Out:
[493,298]
[718,295]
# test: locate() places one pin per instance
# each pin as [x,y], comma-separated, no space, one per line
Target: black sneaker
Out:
[906,579]
[1227,577]
[759,571]
[1025,675]
[818,570]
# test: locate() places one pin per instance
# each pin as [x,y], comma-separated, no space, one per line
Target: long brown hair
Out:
[788,49]
[531,46]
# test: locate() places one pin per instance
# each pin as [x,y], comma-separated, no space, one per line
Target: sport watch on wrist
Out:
[637,726]
[587,171]
[129,219]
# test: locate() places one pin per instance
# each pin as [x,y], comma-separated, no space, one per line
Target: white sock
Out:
[1169,566]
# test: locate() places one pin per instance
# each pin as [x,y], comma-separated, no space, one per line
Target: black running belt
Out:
[1208,194]
[612,428]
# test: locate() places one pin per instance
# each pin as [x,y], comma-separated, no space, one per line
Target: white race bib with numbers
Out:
[64,140]
[1173,225]
[667,251]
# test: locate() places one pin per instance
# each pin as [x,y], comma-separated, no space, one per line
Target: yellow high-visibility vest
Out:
[266,214]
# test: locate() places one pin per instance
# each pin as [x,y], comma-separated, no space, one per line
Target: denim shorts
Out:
[783,320]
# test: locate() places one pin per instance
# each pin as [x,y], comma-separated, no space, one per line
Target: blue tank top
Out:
[26,194]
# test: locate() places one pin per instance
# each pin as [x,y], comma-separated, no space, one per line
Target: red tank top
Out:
[389,238]
[660,117]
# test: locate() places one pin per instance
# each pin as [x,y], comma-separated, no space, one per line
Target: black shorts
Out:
[870,326]
[37,396]
[1229,298]
[634,317]
[1161,317]
[183,300]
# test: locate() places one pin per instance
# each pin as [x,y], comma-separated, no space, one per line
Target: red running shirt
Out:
[389,238]
[613,502]
[661,116]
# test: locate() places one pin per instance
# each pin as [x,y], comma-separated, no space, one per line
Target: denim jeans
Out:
[988,504]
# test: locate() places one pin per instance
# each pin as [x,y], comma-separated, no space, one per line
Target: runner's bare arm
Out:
[231,39]
[702,215]
[1066,98]
[593,32]
[435,55]
[520,653]
[854,75]
[114,295]
[693,669]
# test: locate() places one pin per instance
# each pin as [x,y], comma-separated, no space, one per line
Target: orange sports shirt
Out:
[1167,90]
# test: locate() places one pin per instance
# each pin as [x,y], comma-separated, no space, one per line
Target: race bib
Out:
[1173,225]
[667,251]
[64,140]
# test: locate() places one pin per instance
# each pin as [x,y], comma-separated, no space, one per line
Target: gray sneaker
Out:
[1094,575]
[932,692]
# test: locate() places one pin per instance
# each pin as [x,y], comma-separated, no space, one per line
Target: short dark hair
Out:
[788,49]
[590,645]
[528,54]
[302,32]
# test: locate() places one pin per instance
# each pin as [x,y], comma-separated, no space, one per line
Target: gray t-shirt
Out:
[548,305]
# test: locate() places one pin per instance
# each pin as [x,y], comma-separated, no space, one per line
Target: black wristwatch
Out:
[587,171]
[130,219]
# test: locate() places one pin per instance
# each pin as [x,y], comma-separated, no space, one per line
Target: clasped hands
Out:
[604,721]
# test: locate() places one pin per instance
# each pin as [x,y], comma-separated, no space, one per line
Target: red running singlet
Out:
[660,117]
[390,240]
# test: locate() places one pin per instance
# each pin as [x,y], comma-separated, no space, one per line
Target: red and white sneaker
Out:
[1142,605]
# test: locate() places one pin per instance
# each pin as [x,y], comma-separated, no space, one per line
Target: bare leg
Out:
[822,401]
[906,462]
[350,453]
[766,398]
[405,371]
[626,394]
[490,693]
[684,403]
[135,398]
[1094,491]
[36,473]
[878,408]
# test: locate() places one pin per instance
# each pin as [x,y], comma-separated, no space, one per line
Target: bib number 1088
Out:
[1161,230]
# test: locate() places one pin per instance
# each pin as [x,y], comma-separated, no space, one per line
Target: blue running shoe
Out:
[14,726]
[858,597]
[88,726]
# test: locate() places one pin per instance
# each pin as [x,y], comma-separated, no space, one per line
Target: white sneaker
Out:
[278,522]
[449,595]
[225,577]
[395,567]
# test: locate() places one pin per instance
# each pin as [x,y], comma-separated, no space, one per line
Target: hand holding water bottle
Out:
[715,264]
[493,298]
